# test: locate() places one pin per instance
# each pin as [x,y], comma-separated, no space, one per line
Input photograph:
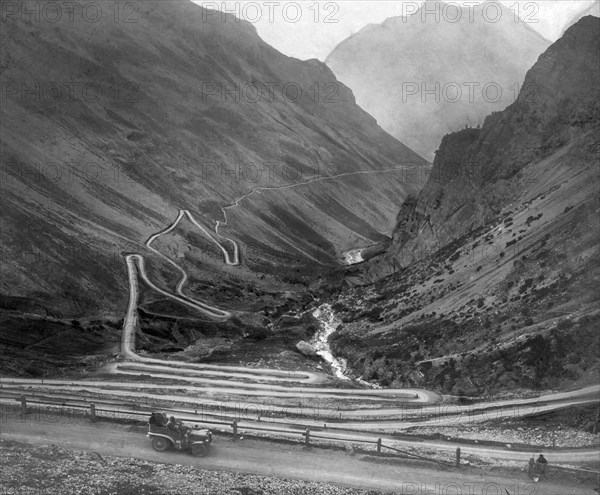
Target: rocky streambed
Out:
[328,323]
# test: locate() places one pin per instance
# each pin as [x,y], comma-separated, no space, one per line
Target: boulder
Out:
[306,349]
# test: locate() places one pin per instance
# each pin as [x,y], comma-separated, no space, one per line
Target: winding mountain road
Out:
[136,266]
[156,368]
[258,189]
[391,411]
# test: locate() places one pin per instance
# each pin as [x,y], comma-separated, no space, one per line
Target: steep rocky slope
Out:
[113,120]
[471,179]
[437,70]
[491,280]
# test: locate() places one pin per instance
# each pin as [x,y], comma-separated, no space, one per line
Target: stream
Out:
[327,325]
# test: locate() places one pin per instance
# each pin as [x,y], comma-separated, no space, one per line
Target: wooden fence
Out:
[232,428]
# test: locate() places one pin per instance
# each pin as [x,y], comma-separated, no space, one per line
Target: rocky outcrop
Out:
[306,349]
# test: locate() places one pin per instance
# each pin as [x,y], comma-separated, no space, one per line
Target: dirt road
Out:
[383,418]
[285,461]
[330,432]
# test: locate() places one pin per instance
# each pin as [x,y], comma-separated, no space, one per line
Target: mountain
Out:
[593,9]
[491,279]
[113,122]
[438,70]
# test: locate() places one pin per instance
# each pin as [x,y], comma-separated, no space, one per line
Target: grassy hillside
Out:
[110,127]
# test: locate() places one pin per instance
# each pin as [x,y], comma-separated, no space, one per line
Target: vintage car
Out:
[171,433]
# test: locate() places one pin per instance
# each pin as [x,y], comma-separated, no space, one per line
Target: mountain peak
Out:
[592,10]
[444,75]
[587,25]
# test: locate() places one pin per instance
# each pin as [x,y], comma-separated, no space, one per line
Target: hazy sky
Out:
[310,29]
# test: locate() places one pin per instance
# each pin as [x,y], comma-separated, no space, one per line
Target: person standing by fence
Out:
[541,464]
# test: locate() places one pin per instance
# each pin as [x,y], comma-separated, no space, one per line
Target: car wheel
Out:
[161,444]
[199,450]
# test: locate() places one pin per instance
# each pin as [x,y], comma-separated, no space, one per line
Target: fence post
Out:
[307,437]
[379,445]
[235,429]
[23,405]
[93,411]
[458,457]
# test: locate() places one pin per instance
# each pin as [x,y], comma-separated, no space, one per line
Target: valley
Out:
[490,283]
[287,272]
[203,384]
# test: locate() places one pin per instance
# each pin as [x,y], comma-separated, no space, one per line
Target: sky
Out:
[312,29]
